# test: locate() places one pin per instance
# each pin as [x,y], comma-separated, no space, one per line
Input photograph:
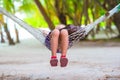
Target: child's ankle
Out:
[53,57]
[63,56]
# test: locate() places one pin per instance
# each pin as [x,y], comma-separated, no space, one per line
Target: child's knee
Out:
[55,32]
[64,32]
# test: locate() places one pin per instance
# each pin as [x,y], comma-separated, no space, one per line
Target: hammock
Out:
[74,37]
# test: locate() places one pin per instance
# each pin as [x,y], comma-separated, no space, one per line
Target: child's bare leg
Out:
[64,47]
[54,41]
[64,41]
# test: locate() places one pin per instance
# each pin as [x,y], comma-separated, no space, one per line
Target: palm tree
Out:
[60,9]
[47,19]
[116,17]
[108,5]
[7,4]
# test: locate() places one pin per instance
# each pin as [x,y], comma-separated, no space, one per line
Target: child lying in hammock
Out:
[58,41]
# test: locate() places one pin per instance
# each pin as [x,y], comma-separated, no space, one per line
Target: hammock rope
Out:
[76,36]
[89,27]
[35,32]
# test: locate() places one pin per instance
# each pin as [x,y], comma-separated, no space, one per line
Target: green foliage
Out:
[102,11]
[8,5]
[118,7]
[50,9]
[27,6]
[36,21]
[77,12]
[118,1]
[33,16]
[102,24]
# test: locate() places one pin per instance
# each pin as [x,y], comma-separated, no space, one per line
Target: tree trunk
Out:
[2,39]
[86,12]
[82,13]
[11,42]
[60,11]
[116,21]
[17,35]
[47,19]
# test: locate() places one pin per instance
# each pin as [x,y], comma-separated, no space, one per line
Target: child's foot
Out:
[54,62]
[63,61]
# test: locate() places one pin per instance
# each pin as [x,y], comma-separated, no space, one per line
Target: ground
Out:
[29,60]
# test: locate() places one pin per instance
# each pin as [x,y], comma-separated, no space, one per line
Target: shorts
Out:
[47,43]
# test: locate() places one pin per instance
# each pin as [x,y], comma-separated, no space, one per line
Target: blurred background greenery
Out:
[49,13]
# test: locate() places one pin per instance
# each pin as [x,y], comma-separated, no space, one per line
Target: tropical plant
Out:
[7,4]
